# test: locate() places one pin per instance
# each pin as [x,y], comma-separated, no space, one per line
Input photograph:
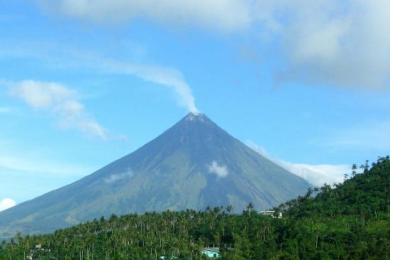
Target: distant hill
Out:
[193,165]
[351,221]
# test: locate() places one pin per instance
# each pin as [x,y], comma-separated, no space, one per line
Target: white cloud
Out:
[316,174]
[219,170]
[119,176]
[225,15]
[59,100]
[6,203]
[257,148]
[343,43]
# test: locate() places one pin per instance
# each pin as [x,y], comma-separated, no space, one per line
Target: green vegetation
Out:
[350,221]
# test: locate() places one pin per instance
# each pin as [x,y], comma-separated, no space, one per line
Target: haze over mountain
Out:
[194,164]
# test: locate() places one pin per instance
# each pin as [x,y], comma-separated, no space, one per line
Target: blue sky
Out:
[83,83]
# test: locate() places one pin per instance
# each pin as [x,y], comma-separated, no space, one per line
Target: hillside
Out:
[350,221]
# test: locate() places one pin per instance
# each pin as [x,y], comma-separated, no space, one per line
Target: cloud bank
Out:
[316,174]
[6,203]
[343,43]
[221,171]
[61,102]
[338,42]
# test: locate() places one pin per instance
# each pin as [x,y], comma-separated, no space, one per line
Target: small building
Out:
[211,252]
[271,213]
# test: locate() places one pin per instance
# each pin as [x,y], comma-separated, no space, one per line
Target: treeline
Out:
[346,221]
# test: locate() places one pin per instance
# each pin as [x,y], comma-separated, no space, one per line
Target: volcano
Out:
[193,165]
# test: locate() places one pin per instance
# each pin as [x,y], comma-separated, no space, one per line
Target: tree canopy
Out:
[350,220]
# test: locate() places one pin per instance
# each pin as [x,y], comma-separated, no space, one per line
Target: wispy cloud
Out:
[220,170]
[225,15]
[65,57]
[21,163]
[5,110]
[26,173]
[119,176]
[316,174]
[61,101]
[363,136]
[344,43]
[6,203]
[258,148]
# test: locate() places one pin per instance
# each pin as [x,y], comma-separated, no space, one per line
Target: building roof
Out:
[212,249]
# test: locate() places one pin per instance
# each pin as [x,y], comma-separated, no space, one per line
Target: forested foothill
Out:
[350,220]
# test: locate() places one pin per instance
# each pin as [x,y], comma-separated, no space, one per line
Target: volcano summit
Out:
[192,165]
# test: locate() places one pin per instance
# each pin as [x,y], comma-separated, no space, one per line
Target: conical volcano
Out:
[192,165]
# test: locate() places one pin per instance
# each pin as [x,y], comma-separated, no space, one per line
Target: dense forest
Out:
[346,221]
